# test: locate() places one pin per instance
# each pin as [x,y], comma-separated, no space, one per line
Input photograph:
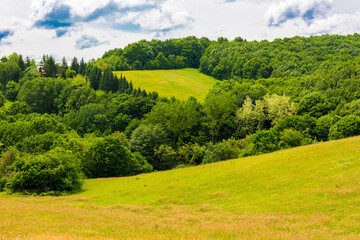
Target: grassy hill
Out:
[310,192]
[179,83]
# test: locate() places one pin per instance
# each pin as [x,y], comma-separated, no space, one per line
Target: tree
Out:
[315,104]
[108,157]
[146,138]
[75,65]
[109,82]
[95,77]
[220,110]
[40,94]
[164,158]
[12,90]
[278,107]
[63,67]
[177,117]
[82,67]
[250,117]
[50,67]
[347,126]
[55,171]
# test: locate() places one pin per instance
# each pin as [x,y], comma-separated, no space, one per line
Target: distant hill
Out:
[178,83]
[310,192]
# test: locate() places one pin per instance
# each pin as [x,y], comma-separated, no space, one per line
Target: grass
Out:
[310,192]
[178,83]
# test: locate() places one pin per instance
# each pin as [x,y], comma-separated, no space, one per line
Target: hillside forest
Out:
[62,123]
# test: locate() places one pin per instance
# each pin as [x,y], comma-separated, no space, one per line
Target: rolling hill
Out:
[179,83]
[310,192]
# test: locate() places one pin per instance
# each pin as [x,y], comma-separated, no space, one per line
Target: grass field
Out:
[310,192]
[179,83]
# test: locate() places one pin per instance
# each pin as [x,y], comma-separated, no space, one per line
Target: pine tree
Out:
[75,65]
[82,67]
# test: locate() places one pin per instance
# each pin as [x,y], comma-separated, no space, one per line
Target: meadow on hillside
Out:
[181,84]
[309,192]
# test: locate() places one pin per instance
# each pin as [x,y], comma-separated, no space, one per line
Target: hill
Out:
[310,192]
[178,83]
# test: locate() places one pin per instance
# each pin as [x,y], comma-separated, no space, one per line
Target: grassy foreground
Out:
[310,192]
[179,83]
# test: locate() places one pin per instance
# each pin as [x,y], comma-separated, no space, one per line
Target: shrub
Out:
[57,170]
[108,157]
[262,142]
[227,149]
[290,138]
[164,158]
[191,154]
[346,127]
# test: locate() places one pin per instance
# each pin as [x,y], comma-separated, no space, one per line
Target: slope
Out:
[178,83]
[310,192]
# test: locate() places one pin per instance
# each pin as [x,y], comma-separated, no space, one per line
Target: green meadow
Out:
[178,83]
[310,192]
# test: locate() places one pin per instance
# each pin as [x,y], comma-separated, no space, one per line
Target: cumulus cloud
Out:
[165,17]
[87,42]
[307,10]
[126,15]
[336,24]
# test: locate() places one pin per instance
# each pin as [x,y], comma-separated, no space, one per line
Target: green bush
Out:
[108,157]
[262,142]
[227,149]
[192,154]
[164,158]
[346,127]
[56,171]
[290,138]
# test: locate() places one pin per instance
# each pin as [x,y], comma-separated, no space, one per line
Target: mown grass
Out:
[181,83]
[310,192]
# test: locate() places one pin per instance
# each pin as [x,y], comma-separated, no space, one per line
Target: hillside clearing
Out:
[178,83]
[310,192]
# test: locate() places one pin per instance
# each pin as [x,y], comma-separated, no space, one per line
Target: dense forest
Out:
[61,124]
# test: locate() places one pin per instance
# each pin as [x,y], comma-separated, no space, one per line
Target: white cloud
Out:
[286,10]
[127,21]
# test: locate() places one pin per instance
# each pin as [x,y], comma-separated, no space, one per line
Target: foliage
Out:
[347,126]
[56,171]
[146,138]
[108,157]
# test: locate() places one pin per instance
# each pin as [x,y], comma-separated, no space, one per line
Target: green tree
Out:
[177,117]
[40,94]
[347,126]
[108,157]
[55,171]
[12,90]
[146,138]
[220,110]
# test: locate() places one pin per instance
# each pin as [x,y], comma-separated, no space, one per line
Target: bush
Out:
[164,158]
[290,138]
[57,171]
[191,154]
[108,157]
[346,127]
[227,149]
[146,138]
[262,142]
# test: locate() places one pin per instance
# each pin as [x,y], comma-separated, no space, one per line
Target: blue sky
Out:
[88,28]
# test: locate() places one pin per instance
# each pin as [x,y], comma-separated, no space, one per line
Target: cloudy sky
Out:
[88,28]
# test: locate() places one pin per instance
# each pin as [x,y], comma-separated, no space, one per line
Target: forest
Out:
[61,124]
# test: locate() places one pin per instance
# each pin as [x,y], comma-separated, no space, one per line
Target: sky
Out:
[88,28]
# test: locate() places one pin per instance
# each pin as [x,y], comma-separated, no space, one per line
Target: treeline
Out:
[91,123]
[156,54]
